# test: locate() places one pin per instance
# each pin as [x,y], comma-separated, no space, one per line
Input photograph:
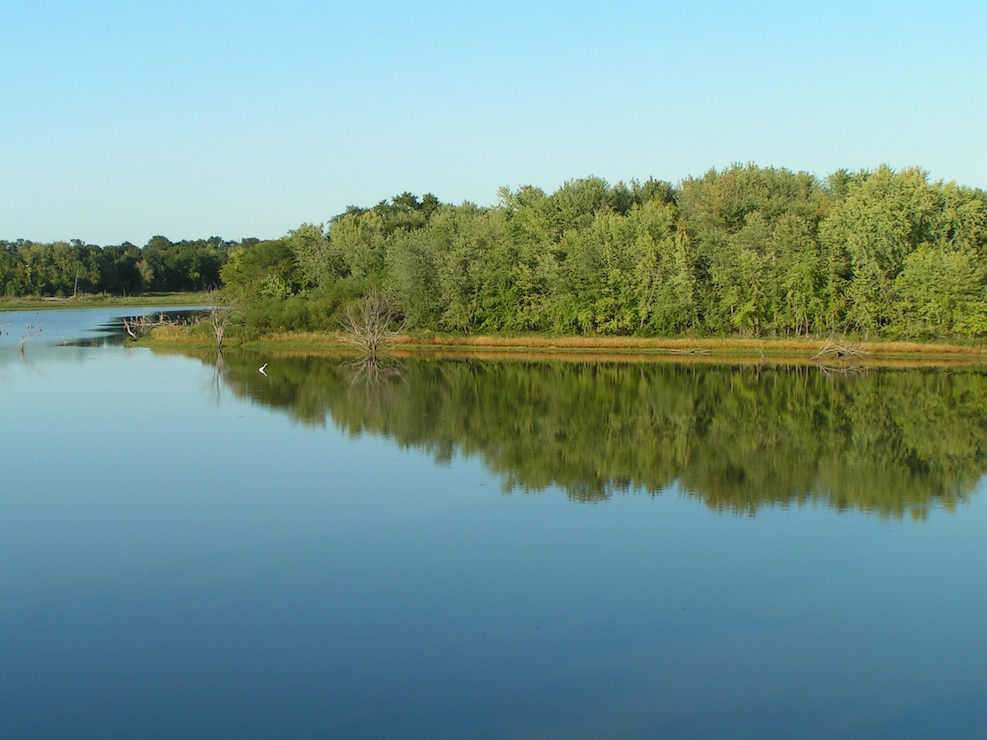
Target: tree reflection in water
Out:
[889,442]
[371,371]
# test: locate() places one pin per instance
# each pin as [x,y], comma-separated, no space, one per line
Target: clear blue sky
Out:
[122,120]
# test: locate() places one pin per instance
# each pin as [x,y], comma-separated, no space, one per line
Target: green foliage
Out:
[316,263]
[186,266]
[268,269]
[412,269]
[940,293]
[65,269]
[746,251]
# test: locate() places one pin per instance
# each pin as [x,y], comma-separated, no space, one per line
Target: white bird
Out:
[262,368]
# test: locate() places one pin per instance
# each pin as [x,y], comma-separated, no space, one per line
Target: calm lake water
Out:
[484,549]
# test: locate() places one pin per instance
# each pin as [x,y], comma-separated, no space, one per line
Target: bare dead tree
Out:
[220,318]
[371,324]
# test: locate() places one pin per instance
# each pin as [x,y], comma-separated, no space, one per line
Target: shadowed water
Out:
[486,549]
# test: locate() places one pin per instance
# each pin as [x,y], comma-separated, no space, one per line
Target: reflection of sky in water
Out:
[178,565]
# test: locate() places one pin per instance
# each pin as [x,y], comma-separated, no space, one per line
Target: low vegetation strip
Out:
[831,350]
[101,300]
[692,346]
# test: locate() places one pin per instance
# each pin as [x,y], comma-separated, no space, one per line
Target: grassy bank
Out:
[105,301]
[834,351]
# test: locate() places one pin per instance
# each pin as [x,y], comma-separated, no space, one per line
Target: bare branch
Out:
[833,350]
[138,326]
[220,318]
[370,323]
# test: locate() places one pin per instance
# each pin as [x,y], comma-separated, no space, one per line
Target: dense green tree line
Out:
[70,268]
[888,442]
[748,251]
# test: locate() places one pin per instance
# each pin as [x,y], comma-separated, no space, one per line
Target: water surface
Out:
[486,549]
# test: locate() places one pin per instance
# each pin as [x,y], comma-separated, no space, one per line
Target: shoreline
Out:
[837,354]
[104,301]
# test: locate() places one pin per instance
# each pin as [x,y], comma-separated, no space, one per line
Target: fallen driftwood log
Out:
[138,326]
[834,351]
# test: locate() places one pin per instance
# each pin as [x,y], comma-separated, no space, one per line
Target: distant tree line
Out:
[747,251]
[73,268]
